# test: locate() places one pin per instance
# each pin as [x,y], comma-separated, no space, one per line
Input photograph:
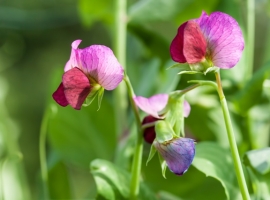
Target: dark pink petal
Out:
[194,43]
[152,105]
[186,109]
[178,154]
[74,56]
[189,45]
[76,87]
[224,37]
[59,96]
[177,45]
[99,62]
[149,134]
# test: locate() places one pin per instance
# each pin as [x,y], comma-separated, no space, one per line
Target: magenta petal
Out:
[177,45]
[194,43]
[178,154]
[76,87]
[187,109]
[189,45]
[99,62]
[225,39]
[59,96]
[152,105]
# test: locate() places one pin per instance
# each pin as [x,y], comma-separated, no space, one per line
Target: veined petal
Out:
[74,56]
[187,109]
[189,45]
[59,96]
[152,105]
[99,62]
[178,154]
[76,87]
[225,41]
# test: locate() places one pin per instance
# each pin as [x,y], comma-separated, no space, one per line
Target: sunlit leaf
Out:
[259,160]
[215,161]
[114,182]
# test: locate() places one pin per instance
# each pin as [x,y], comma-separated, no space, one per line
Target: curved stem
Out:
[233,146]
[120,26]
[42,152]
[137,159]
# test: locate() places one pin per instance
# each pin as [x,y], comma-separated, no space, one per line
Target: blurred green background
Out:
[35,39]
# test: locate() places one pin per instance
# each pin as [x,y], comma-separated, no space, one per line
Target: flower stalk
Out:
[233,146]
[137,158]
[120,29]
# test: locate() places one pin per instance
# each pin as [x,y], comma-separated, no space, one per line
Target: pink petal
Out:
[152,105]
[186,109]
[189,45]
[74,56]
[76,87]
[59,96]
[224,38]
[99,62]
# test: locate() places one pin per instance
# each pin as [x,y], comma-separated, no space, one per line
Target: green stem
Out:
[250,38]
[42,152]
[120,26]
[137,159]
[233,145]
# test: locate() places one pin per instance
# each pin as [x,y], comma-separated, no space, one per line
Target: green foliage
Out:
[113,181]
[216,162]
[81,136]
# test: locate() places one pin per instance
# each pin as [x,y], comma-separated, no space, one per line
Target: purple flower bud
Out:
[215,39]
[178,154]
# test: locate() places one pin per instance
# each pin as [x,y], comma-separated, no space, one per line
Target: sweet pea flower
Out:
[88,70]
[178,154]
[153,106]
[209,41]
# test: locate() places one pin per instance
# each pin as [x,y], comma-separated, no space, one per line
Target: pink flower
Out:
[214,40]
[152,106]
[178,154]
[87,71]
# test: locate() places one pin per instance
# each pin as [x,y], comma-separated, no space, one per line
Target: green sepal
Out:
[211,69]
[100,96]
[164,131]
[92,95]
[163,165]
[153,151]
[175,114]
[180,66]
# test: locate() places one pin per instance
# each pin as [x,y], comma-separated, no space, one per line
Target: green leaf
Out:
[259,160]
[59,183]
[113,182]
[81,136]
[215,161]
[260,184]
[156,10]
[244,99]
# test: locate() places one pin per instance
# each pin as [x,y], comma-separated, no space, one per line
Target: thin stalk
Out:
[120,28]
[250,38]
[2,194]
[137,158]
[233,146]
[42,152]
